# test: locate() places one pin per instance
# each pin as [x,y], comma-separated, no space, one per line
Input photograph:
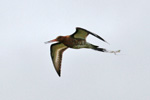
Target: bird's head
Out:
[58,39]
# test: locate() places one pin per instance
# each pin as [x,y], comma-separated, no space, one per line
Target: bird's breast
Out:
[74,43]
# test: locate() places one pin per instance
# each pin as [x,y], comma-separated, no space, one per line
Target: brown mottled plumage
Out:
[76,41]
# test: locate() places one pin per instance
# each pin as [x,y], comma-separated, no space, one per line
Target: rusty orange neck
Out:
[62,38]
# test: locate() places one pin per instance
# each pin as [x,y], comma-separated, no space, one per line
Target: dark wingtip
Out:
[107,42]
[59,74]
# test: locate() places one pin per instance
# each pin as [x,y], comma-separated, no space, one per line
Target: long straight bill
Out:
[50,41]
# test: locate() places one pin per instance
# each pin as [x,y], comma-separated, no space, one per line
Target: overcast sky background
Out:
[26,69]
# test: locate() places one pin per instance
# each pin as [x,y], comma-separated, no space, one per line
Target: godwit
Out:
[76,41]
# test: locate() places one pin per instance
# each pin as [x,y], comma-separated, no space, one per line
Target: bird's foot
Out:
[115,52]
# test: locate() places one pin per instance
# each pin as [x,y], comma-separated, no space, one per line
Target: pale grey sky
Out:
[26,69]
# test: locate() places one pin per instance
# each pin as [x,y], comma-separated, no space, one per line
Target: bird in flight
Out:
[76,40]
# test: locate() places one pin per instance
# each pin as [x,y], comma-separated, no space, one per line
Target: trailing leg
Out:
[104,50]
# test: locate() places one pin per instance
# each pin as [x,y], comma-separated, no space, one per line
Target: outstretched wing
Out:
[83,33]
[57,50]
